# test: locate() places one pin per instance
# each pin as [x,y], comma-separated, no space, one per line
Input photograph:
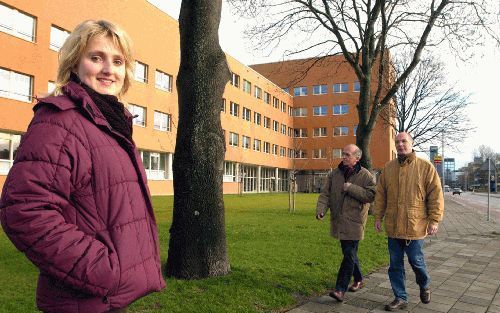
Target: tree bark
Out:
[197,247]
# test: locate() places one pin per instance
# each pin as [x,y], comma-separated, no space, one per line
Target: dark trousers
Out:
[350,265]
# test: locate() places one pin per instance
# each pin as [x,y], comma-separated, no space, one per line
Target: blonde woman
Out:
[76,201]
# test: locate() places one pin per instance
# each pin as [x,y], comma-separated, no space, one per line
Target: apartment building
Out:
[261,120]
[325,95]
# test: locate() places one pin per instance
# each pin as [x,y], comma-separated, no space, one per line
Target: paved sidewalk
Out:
[464,264]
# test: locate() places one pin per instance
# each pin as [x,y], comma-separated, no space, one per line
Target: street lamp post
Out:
[489,187]
[442,158]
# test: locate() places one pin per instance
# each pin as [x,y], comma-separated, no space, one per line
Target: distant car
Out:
[457,191]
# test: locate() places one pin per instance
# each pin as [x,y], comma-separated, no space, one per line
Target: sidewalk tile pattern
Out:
[464,264]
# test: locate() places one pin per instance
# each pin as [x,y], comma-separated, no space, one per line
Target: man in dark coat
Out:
[348,191]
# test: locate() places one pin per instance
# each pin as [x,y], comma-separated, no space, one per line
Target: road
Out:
[479,201]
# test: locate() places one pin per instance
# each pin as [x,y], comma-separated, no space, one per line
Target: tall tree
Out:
[428,105]
[364,32]
[197,247]
[484,152]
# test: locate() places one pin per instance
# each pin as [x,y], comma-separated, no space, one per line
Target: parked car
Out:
[457,191]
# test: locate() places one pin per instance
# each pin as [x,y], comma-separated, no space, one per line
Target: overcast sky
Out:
[479,77]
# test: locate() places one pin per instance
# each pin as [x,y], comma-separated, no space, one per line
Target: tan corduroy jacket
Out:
[349,209]
[409,196]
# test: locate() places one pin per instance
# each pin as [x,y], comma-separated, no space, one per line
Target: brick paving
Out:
[463,261]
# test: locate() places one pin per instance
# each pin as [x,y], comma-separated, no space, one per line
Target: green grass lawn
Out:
[277,259]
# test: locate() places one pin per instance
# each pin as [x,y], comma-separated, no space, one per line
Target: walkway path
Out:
[464,264]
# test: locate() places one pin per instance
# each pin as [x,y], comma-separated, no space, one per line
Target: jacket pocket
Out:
[416,222]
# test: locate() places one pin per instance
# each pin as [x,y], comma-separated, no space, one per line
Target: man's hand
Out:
[378,226]
[320,216]
[346,185]
[432,228]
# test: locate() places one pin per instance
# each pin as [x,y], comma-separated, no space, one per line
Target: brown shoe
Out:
[337,295]
[356,286]
[397,304]
[425,295]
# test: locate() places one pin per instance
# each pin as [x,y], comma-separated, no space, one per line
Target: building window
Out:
[290,111]
[275,149]
[245,142]
[290,132]
[283,106]
[257,92]
[276,126]
[235,80]
[256,118]
[291,153]
[155,164]
[287,90]
[223,105]
[300,132]
[267,147]
[139,114]
[320,89]
[283,129]
[247,86]
[9,143]
[163,81]
[320,110]
[15,85]
[267,97]
[57,37]
[234,139]
[276,102]
[355,130]
[340,88]
[319,154]
[234,109]
[141,72]
[282,151]
[337,153]
[247,114]
[319,132]
[267,122]
[299,112]
[340,131]
[356,87]
[51,86]
[340,109]
[300,154]
[299,91]
[163,121]
[17,23]
[256,145]
[229,172]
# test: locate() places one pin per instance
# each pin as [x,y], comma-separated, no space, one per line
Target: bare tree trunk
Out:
[197,247]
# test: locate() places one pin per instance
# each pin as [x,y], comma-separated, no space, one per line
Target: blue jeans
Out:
[415,253]
[350,265]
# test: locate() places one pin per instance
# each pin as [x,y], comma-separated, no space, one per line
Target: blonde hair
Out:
[74,46]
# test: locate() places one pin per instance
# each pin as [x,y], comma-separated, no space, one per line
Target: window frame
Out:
[321,109]
[144,78]
[162,76]
[318,90]
[162,127]
[132,109]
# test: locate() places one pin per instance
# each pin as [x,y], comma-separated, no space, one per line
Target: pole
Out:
[442,158]
[489,187]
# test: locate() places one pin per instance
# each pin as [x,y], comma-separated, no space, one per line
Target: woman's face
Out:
[102,66]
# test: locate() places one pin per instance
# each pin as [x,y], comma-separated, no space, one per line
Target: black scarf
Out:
[112,109]
[349,171]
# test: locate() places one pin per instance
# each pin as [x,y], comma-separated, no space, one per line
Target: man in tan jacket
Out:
[347,192]
[410,199]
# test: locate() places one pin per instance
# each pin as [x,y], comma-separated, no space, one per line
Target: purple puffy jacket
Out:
[77,204]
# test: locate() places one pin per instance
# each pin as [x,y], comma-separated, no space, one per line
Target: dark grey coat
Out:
[349,209]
